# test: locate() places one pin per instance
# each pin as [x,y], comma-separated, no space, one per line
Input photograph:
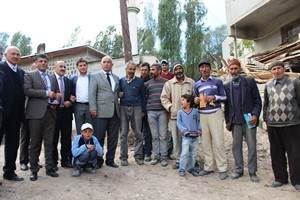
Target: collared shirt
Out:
[12,67]
[48,81]
[112,80]
[58,80]
[82,89]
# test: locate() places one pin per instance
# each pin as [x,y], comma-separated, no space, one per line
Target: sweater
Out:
[189,123]
[78,148]
[153,90]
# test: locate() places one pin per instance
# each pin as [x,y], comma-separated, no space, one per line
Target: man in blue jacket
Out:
[242,98]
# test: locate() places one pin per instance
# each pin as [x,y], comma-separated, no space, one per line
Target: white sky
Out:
[52,22]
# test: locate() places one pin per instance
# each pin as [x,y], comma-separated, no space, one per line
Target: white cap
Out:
[86,125]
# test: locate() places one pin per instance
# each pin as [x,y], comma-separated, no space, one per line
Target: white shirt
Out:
[82,89]
[12,67]
[112,80]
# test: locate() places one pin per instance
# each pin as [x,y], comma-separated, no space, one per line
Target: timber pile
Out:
[258,69]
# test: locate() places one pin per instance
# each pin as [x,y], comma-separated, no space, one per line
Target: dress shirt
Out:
[82,89]
[112,80]
[13,67]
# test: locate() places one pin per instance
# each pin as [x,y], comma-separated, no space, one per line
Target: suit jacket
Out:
[251,100]
[9,90]
[35,89]
[67,95]
[102,98]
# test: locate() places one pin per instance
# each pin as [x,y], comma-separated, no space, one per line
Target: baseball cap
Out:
[86,125]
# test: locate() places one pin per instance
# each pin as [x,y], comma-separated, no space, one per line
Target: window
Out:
[290,32]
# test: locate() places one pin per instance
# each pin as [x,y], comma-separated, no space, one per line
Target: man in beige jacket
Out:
[170,99]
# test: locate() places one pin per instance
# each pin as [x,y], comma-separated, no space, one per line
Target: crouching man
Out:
[85,150]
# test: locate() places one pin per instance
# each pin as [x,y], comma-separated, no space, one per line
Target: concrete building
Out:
[268,23]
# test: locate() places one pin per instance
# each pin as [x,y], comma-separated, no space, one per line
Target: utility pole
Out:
[125,31]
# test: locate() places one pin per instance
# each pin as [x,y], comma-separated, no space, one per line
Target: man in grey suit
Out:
[104,108]
[43,92]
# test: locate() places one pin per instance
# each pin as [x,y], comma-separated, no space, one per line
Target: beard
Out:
[236,76]
[179,75]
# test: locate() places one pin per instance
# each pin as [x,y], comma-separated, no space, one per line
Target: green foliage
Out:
[146,36]
[213,43]
[169,30]
[242,47]
[110,42]
[74,38]
[194,12]
[4,40]
[22,42]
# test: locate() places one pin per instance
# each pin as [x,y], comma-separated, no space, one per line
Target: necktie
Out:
[62,90]
[108,78]
[45,80]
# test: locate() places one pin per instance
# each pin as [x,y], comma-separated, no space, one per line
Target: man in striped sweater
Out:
[212,120]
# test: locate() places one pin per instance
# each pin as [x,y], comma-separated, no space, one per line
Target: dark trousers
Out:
[64,127]
[147,136]
[41,129]
[285,140]
[24,143]
[11,130]
[82,115]
[109,126]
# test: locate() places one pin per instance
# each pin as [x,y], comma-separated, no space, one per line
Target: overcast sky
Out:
[52,22]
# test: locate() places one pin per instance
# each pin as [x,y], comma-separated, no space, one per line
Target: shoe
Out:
[90,170]
[254,177]
[236,175]
[55,168]
[147,158]
[124,162]
[114,165]
[154,162]
[182,173]
[223,175]
[275,184]
[24,167]
[139,161]
[175,166]
[297,187]
[76,172]
[164,162]
[52,173]
[100,162]
[33,176]
[12,177]
[204,172]
[67,164]
[193,172]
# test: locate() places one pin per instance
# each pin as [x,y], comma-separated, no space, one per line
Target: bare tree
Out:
[125,31]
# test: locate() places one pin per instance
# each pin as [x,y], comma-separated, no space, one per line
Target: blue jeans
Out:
[188,155]
[158,122]
[86,158]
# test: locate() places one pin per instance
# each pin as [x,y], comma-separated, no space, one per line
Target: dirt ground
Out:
[150,182]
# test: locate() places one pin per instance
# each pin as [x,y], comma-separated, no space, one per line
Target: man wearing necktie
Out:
[13,109]
[104,108]
[64,117]
[43,96]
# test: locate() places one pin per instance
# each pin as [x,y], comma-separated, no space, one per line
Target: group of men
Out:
[149,104]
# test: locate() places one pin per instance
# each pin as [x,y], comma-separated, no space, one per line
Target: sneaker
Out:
[139,161]
[204,172]
[182,173]
[90,170]
[154,162]
[297,187]
[236,175]
[175,166]
[124,162]
[193,172]
[223,175]
[147,158]
[76,172]
[164,162]
[254,177]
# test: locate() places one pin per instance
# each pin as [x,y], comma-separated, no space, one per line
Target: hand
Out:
[210,98]
[72,98]
[228,127]
[93,113]
[58,96]
[67,104]
[51,94]
[121,94]
[265,126]
[143,114]
[253,121]
[196,100]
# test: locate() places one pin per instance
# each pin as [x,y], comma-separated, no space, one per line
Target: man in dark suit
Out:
[242,98]
[104,108]
[64,117]
[13,110]
[43,95]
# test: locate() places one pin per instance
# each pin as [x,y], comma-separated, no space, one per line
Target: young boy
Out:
[85,150]
[188,123]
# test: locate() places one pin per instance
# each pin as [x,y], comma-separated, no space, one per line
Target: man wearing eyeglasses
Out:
[13,109]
